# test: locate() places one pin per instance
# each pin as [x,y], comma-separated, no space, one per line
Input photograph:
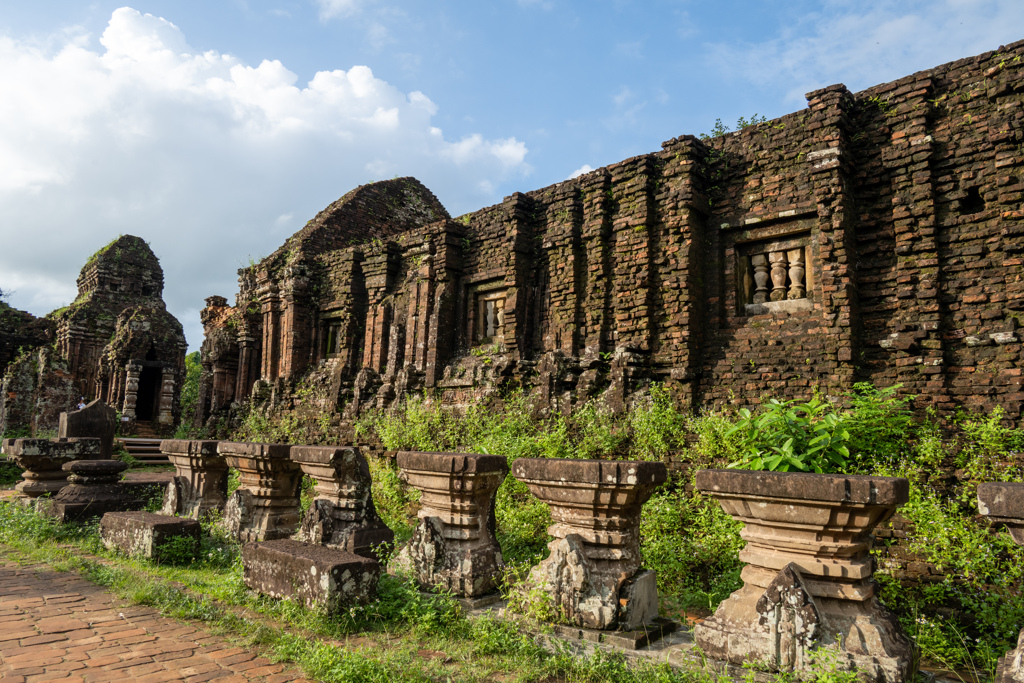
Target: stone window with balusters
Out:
[774,276]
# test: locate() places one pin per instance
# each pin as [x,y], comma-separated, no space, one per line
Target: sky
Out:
[214,129]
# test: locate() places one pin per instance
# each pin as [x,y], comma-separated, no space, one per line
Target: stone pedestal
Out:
[342,514]
[43,461]
[453,546]
[314,575]
[593,573]
[96,420]
[145,533]
[94,489]
[1004,503]
[266,504]
[808,580]
[200,484]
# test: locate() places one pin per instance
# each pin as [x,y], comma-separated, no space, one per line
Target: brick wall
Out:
[872,236]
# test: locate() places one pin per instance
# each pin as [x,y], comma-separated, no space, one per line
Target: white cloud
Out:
[585,168]
[206,157]
[862,43]
[332,9]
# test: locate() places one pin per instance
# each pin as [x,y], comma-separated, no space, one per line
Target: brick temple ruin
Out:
[872,236]
[115,342]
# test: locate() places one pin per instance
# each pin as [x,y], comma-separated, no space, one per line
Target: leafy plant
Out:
[786,436]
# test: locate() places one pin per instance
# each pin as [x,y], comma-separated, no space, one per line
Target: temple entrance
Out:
[148,402]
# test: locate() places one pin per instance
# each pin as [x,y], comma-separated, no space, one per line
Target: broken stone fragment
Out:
[266,504]
[314,575]
[808,581]
[147,533]
[592,575]
[453,546]
[200,485]
[342,514]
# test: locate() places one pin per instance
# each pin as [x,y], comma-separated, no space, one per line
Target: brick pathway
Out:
[60,627]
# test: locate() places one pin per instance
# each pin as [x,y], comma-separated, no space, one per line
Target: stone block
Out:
[266,504]
[200,485]
[453,546]
[314,575]
[808,580]
[145,533]
[342,514]
[593,573]
[96,420]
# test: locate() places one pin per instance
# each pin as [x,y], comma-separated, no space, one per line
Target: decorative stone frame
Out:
[486,299]
[772,266]
[331,328]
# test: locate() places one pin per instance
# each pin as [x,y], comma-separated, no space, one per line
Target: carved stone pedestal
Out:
[200,484]
[593,573]
[266,504]
[1004,503]
[342,514]
[94,489]
[808,580]
[453,546]
[43,461]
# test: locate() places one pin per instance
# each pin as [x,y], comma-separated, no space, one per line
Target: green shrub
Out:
[785,436]
[880,424]
[693,546]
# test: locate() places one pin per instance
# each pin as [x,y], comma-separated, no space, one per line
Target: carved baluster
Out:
[797,288]
[778,261]
[760,263]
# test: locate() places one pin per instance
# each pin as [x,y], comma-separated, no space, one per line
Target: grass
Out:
[402,636]
[965,619]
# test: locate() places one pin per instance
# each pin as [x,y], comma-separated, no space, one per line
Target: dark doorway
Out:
[149,394]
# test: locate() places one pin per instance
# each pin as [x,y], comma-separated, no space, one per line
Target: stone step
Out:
[144,450]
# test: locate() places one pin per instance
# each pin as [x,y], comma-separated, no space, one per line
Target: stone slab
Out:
[839,488]
[97,420]
[144,533]
[314,575]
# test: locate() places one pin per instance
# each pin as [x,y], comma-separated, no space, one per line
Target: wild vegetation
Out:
[962,620]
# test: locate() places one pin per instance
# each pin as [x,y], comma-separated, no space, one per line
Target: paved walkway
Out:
[59,627]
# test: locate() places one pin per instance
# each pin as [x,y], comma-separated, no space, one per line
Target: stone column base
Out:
[783,626]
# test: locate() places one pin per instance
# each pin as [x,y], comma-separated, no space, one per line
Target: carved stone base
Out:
[249,519]
[454,547]
[783,625]
[464,569]
[1010,668]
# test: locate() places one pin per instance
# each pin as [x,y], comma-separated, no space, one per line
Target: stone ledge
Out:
[837,488]
[451,462]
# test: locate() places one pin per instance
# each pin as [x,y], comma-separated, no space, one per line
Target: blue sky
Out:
[216,129]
